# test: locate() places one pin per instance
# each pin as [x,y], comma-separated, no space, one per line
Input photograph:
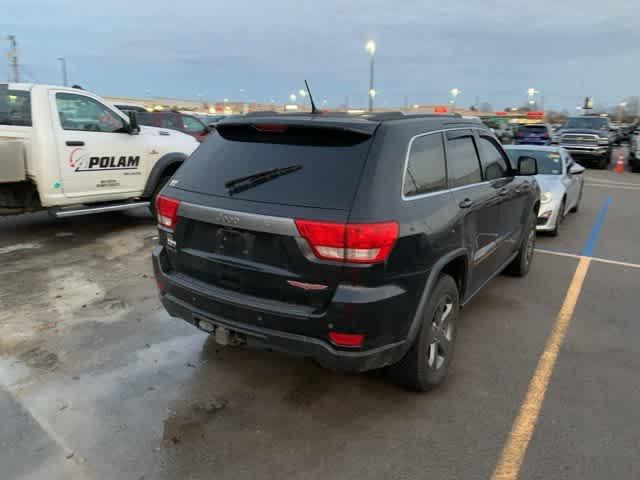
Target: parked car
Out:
[560,179]
[176,121]
[588,139]
[535,134]
[502,130]
[353,240]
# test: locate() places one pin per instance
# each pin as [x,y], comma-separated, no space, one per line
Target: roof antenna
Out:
[313,105]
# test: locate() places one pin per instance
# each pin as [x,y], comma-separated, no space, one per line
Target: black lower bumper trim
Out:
[298,345]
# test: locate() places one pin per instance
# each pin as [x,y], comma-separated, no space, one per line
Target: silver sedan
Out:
[560,179]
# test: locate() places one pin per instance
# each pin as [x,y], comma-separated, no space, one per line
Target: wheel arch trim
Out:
[430,285]
[159,168]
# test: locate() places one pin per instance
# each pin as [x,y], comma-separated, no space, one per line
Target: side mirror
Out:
[576,169]
[134,128]
[527,166]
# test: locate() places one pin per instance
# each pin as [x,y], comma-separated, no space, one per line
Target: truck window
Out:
[192,125]
[15,108]
[169,120]
[78,112]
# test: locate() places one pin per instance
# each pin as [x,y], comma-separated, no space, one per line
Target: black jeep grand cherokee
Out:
[351,240]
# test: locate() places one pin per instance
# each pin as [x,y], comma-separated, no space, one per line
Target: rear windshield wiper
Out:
[241,184]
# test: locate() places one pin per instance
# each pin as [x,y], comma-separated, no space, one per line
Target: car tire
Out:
[520,265]
[577,205]
[427,362]
[161,183]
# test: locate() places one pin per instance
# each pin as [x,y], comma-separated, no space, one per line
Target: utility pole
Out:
[371,48]
[406,102]
[13,59]
[63,64]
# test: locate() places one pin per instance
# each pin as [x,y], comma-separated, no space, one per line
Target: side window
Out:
[169,120]
[425,167]
[493,163]
[463,165]
[145,118]
[192,125]
[15,108]
[78,112]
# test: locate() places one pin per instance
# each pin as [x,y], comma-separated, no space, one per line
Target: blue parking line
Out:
[590,244]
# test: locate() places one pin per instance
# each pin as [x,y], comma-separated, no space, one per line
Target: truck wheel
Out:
[521,264]
[427,362]
[161,183]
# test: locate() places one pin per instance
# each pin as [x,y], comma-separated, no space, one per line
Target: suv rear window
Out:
[533,129]
[330,162]
[15,107]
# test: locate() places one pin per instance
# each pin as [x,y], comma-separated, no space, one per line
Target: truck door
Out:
[96,154]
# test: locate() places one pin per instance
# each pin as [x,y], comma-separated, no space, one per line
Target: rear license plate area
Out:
[233,243]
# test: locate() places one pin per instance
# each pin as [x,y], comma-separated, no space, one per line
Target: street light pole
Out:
[63,65]
[371,48]
[454,93]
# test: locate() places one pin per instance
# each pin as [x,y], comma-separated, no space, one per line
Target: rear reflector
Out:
[346,339]
[167,210]
[351,242]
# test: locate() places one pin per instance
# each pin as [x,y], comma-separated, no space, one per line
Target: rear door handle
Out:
[466,203]
[75,144]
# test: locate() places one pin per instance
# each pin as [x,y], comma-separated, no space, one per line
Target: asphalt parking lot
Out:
[97,382]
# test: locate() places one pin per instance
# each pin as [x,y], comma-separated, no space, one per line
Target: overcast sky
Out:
[492,49]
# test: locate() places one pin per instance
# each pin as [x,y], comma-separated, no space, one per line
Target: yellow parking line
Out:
[513,453]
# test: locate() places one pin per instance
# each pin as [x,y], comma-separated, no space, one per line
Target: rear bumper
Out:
[193,304]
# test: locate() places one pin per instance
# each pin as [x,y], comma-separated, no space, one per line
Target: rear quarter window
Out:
[15,107]
[426,171]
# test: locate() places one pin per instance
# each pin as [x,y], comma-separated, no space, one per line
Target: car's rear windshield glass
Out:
[533,129]
[549,163]
[15,107]
[586,123]
[323,165]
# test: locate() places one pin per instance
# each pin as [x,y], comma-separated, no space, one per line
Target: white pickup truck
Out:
[69,151]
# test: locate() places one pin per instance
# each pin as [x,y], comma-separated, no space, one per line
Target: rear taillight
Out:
[167,211]
[545,136]
[346,339]
[351,242]
[519,134]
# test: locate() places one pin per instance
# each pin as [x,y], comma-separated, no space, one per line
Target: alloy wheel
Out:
[442,330]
